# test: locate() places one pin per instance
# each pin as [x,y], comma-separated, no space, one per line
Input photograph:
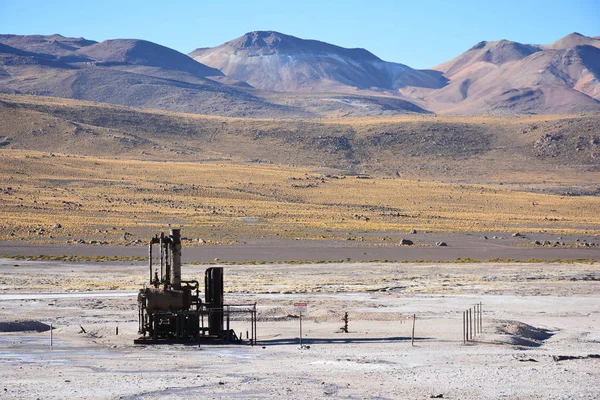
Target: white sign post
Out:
[300,308]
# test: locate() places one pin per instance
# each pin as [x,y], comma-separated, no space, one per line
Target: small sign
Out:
[300,307]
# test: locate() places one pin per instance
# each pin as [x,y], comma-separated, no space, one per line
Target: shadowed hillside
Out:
[558,149]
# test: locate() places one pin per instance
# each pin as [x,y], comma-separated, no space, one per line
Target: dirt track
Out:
[474,246]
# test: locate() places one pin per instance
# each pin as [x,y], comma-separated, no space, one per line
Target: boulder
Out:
[406,242]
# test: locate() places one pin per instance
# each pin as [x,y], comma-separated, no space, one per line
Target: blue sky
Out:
[419,33]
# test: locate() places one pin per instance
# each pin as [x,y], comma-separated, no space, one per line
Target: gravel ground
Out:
[533,313]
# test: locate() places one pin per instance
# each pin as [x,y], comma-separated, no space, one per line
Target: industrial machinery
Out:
[171,310]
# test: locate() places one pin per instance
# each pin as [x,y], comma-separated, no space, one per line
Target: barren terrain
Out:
[383,218]
[540,337]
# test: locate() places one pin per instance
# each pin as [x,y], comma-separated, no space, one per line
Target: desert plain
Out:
[501,211]
[540,335]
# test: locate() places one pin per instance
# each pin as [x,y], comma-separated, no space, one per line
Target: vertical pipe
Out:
[162,258]
[176,256]
[228,319]
[167,262]
[150,257]
[51,339]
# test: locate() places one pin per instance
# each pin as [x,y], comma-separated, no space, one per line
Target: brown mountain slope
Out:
[496,53]
[508,77]
[54,45]
[142,52]
[572,40]
[274,61]
[562,150]
[13,57]
[304,78]
[128,72]
[144,74]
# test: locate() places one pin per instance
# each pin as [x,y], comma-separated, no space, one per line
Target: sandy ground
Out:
[532,313]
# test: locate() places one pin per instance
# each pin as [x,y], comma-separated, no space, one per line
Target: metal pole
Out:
[300,328]
[254,334]
[466,326]
[475,323]
[471,321]
[51,335]
[480,317]
[464,330]
[412,338]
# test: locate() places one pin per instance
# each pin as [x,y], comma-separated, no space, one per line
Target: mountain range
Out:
[270,74]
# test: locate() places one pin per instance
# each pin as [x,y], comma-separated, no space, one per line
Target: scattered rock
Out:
[537,243]
[517,234]
[436,396]
[57,226]
[441,244]
[413,232]
[406,242]
[563,358]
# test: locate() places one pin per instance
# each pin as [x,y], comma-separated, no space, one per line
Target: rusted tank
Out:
[160,299]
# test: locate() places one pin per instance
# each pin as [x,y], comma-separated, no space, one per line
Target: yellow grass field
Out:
[102,199]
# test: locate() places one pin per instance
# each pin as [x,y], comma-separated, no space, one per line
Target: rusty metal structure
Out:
[171,310]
